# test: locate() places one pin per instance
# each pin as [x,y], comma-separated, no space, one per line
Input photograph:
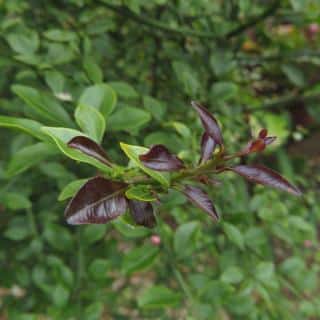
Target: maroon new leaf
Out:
[98,201]
[265,176]
[207,147]
[258,144]
[200,199]
[90,148]
[263,133]
[159,158]
[209,123]
[142,213]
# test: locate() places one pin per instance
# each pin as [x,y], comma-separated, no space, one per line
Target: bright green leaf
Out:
[91,121]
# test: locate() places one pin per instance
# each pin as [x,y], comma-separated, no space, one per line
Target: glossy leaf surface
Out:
[142,213]
[62,136]
[133,153]
[207,147]
[101,97]
[200,199]
[90,148]
[91,121]
[98,201]
[159,158]
[265,176]
[209,122]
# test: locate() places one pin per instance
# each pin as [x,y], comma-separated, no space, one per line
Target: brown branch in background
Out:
[285,101]
[184,32]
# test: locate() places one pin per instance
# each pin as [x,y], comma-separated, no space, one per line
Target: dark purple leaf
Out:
[263,133]
[207,147]
[209,123]
[265,176]
[142,213]
[159,158]
[200,199]
[90,148]
[98,201]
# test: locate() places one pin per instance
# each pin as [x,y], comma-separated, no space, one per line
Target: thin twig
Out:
[285,101]
[169,31]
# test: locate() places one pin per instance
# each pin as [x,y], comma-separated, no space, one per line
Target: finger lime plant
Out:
[150,173]
[108,196]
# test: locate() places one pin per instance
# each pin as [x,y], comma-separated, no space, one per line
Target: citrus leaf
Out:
[62,136]
[91,121]
[70,189]
[209,122]
[133,153]
[159,158]
[98,201]
[207,147]
[90,148]
[265,176]
[142,213]
[200,199]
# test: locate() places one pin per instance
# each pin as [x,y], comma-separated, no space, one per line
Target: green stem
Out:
[33,224]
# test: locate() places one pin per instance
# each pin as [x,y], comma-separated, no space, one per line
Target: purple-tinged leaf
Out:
[90,148]
[207,147]
[159,158]
[98,201]
[263,133]
[142,213]
[269,140]
[209,123]
[200,199]
[265,176]
[257,145]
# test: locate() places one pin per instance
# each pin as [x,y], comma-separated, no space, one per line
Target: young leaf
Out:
[209,123]
[62,136]
[90,148]
[256,145]
[159,158]
[91,121]
[142,213]
[200,199]
[207,147]
[98,201]
[265,176]
[133,153]
[263,133]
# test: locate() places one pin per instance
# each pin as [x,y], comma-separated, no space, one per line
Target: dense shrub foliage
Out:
[126,71]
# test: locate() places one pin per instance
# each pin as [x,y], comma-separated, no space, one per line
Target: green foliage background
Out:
[254,63]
